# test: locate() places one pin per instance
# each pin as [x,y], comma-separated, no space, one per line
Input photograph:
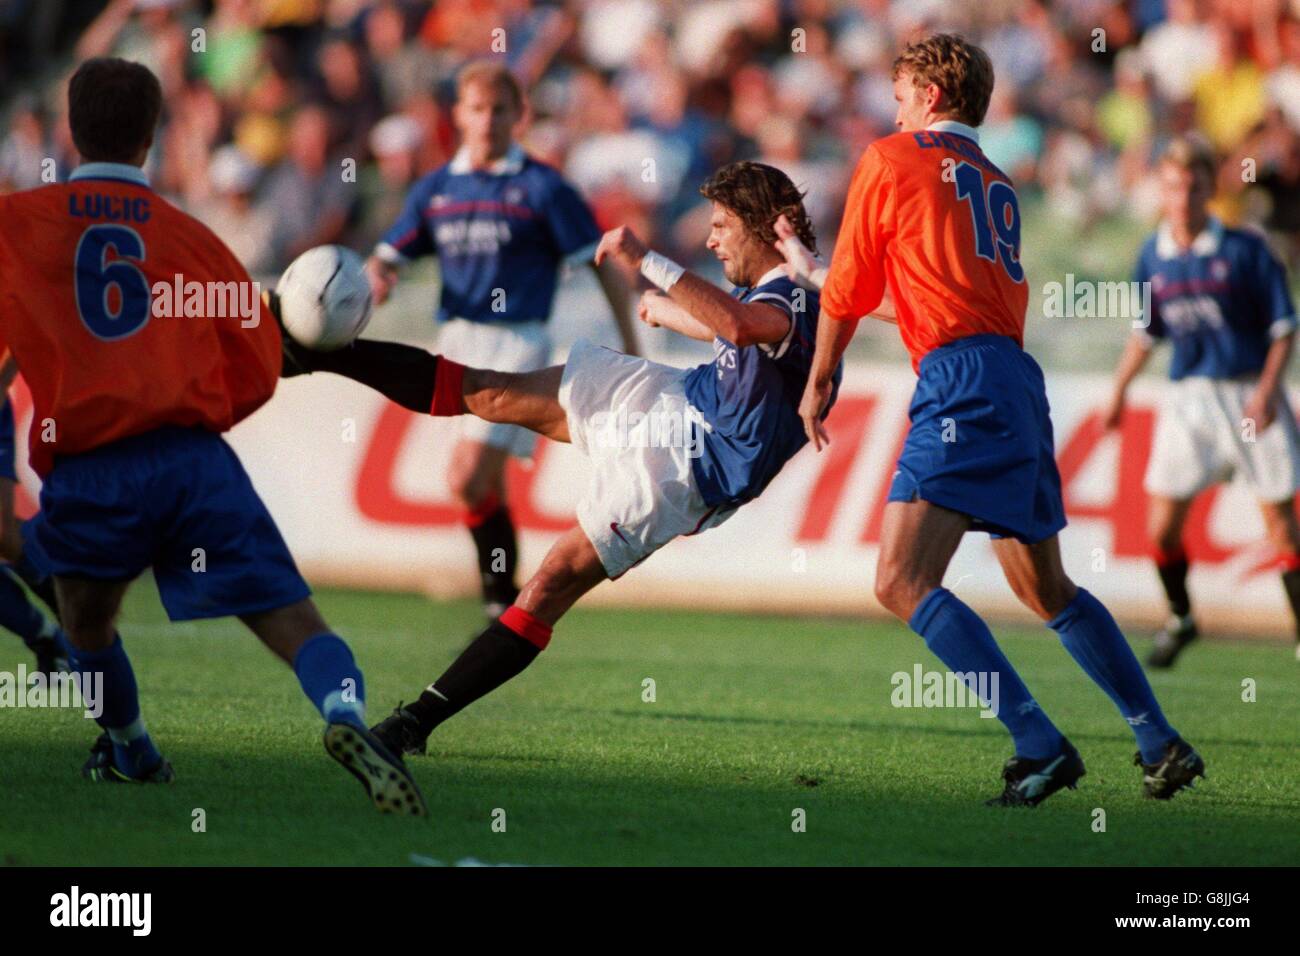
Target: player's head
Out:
[747,200]
[489,105]
[113,108]
[1186,172]
[941,77]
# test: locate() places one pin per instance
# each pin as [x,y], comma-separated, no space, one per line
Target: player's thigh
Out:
[1188,447]
[917,543]
[286,629]
[529,399]
[88,609]
[570,569]
[1166,518]
[1036,574]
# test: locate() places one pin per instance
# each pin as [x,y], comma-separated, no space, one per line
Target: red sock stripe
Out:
[448,388]
[1168,557]
[1289,562]
[485,509]
[526,626]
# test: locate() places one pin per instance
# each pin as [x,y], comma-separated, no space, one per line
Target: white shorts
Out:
[631,418]
[1201,440]
[524,347]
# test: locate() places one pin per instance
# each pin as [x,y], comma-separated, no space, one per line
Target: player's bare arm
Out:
[617,292]
[1136,353]
[1261,408]
[656,310]
[740,323]
[833,338]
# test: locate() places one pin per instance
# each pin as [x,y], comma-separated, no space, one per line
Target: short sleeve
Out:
[409,237]
[1154,328]
[1268,281]
[569,220]
[855,284]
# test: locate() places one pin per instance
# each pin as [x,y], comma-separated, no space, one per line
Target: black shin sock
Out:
[1173,575]
[403,373]
[491,659]
[1291,582]
[498,551]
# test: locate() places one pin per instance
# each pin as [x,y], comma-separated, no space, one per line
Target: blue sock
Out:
[134,752]
[1094,640]
[958,637]
[18,614]
[331,680]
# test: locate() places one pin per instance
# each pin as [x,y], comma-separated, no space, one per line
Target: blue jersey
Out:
[748,398]
[1221,302]
[500,236]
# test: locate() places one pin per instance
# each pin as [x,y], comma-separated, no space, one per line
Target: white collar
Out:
[1205,244]
[125,171]
[508,165]
[776,272]
[952,126]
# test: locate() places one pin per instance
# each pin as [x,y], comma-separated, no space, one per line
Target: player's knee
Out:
[87,631]
[897,591]
[1165,534]
[1046,597]
[473,486]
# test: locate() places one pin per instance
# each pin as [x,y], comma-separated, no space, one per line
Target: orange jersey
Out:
[88,272]
[931,216]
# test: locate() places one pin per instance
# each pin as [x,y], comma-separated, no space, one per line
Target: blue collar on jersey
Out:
[511,164]
[1205,244]
[952,126]
[121,172]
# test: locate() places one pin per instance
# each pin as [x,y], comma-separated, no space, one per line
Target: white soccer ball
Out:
[325,298]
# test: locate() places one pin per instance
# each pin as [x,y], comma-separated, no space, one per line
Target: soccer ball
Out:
[325,298]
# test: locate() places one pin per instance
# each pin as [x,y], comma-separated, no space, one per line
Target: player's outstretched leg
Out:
[1166,517]
[1284,536]
[332,681]
[433,385]
[918,540]
[42,635]
[505,648]
[1091,636]
[124,752]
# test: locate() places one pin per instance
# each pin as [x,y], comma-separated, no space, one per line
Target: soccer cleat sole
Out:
[390,786]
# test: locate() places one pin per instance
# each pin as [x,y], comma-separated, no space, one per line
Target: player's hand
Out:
[624,247]
[382,276]
[815,399]
[1113,413]
[647,306]
[799,260]
[1260,409]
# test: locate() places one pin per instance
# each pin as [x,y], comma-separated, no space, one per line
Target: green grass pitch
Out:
[754,717]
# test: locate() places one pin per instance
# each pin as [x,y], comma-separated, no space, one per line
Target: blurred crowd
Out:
[289,123]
